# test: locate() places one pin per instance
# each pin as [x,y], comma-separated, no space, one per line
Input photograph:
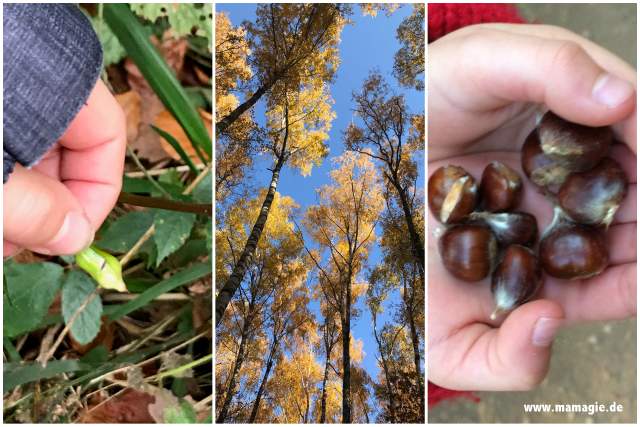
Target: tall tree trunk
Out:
[323,400]
[231,387]
[385,369]
[233,282]
[415,341]
[223,124]
[346,357]
[263,382]
[417,246]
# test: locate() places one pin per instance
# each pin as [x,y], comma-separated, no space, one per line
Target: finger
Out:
[93,159]
[628,210]
[609,296]
[627,160]
[626,129]
[605,58]
[513,357]
[9,249]
[494,69]
[41,214]
[49,164]
[622,240]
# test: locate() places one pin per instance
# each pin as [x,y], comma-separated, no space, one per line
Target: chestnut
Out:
[500,188]
[594,196]
[452,194]
[516,279]
[573,251]
[509,227]
[544,171]
[578,147]
[468,251]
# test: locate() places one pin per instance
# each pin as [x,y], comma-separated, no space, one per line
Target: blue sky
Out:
[368,44]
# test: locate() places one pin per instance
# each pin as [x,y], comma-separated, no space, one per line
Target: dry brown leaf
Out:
[129,407]
[169,124]
[163,399]
[130,103]
[25,256]
[147,143]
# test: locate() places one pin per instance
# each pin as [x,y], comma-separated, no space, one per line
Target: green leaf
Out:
[136,185]
[172,231]
[183,277]
[202,193]
[97,355]
[164,83]
[183,413]
[112,50]
[75,291]
[29,290]
[125,231]
[183,18]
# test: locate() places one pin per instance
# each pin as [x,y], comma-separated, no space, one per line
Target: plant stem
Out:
[146,173]
[165,204]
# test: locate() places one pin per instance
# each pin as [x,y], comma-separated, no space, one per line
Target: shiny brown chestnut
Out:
[468,251]
[594,196]
[574,251]
[578,147]
[519,228]
[544,171]
[500,188]
[516,279]
[452,194]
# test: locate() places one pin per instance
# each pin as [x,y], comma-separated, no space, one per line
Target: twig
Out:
[127,257]
[166,204]
[196,181]
[156,172]
[158,356]
[171,296]
[146,173]
[66,329]
[199,406]
[172,372]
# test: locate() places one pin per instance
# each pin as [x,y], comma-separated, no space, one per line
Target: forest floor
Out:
[593,362]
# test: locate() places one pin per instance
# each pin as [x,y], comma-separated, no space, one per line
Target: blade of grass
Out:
[176,146]
[15,374]
[190,274]
[10,349]
[133,38]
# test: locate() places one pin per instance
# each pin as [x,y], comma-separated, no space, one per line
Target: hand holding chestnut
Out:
[482,106]
[567,162]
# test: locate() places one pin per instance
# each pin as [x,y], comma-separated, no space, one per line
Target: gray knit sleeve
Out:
[52,60]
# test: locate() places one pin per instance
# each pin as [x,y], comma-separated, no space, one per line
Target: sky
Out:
[367,44]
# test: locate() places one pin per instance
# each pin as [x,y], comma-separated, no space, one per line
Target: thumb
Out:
[42,215]
[557,72]
[522,345]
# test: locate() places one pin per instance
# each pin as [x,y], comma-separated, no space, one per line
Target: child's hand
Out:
[56,206]
[486,83]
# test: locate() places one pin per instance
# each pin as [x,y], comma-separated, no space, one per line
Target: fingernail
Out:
[75,234]
[545,331]
[612,91]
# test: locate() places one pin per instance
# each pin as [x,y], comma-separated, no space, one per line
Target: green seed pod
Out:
[103,267]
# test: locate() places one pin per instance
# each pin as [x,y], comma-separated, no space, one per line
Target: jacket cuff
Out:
[52,60]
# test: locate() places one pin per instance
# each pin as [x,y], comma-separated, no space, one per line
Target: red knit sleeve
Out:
[444,18]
